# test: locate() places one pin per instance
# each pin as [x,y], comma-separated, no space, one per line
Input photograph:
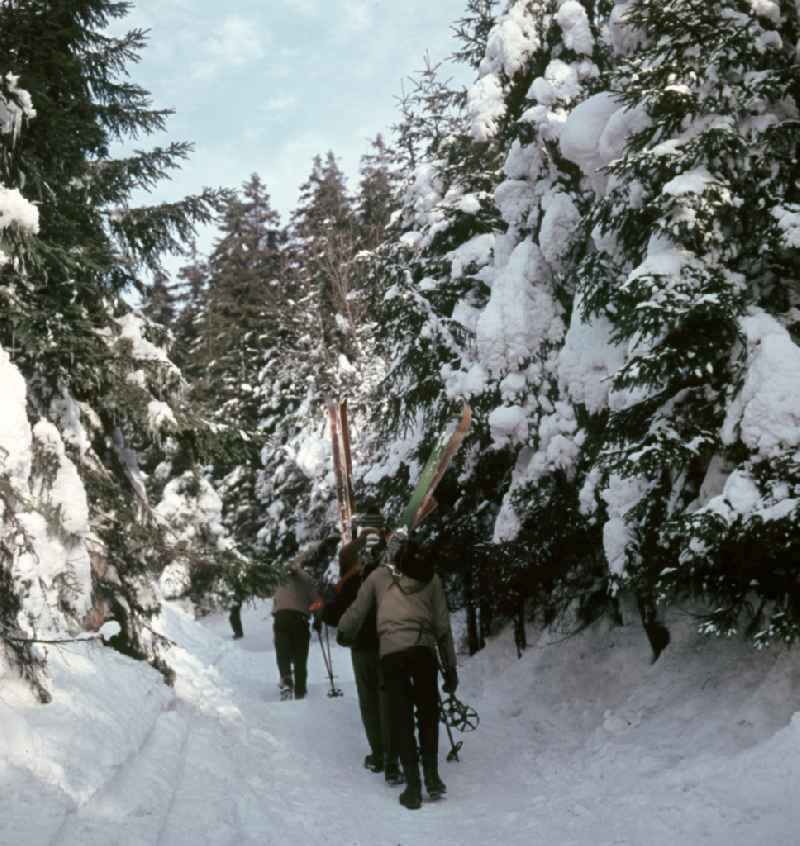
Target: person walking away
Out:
[290,611]
[357,559]
[235,619]
[413,624]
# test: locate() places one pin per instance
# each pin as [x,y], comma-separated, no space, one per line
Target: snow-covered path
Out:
[581,743]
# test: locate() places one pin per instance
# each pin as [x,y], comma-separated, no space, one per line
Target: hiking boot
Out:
[393,774]
[411,797]
[433,784]
[286,689]
[374,763]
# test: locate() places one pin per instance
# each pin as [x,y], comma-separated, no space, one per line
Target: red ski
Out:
[342,465]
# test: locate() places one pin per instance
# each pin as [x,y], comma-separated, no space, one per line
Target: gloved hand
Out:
[450,680]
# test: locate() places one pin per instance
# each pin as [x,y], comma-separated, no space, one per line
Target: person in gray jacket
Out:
[291,614]
[413,623]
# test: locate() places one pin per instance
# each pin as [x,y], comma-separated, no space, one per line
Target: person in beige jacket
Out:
[413,624]
[291,614]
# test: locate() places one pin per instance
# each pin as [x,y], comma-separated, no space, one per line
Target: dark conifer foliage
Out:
[594,244]
[377,193]
[190,290]
[159,307]
[91,242]
[324,238]
[71,333]
[695,212]
[243,302]
[472,30]
[243,346]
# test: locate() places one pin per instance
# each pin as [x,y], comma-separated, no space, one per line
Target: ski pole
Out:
[452,755]
[328,659]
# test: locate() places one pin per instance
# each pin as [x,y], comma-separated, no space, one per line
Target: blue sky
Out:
[264,85]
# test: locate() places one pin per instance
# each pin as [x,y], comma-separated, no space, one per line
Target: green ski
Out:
[422,502]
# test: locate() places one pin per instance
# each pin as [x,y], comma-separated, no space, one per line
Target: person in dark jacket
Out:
[235,619]
[291,614]
[413,624]
[357,560]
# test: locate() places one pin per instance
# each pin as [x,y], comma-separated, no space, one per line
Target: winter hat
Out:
[370,519]
[412,561]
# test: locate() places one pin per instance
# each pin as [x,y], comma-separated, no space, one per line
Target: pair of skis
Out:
[342,466]
[422,502]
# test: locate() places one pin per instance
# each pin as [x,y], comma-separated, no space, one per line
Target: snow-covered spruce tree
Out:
[190,290]
[328,349]
[159,306]
[427,287]
[472,31]
[323,242]
[19,220]
[540,59]
[92,388]
[241,328]
[694,263]
[377,197]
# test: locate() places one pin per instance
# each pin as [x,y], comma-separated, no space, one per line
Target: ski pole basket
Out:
[456,715]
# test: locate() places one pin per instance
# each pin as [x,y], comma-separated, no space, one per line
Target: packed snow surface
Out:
[582,742]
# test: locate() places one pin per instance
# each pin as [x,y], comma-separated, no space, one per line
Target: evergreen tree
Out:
[324,241]
[191,293]
[472,32]
[692,266]
[158,305]
[91,242]
[377,194]
[242,303]
[73,337]
[428,282]
[523,330]
[244,307]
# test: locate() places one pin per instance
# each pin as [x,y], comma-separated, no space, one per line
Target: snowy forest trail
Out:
[580,743]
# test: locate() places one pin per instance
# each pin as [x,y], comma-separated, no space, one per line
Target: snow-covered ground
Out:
[581,743]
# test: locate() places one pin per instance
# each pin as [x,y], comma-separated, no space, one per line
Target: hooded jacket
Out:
[411,611]
[296,593]
[355,563]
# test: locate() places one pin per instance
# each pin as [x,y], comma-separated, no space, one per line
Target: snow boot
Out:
[411,797]
[433,784]
[286,689]
[392,774]
[374,763]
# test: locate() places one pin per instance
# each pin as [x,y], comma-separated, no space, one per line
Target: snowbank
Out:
[582,740]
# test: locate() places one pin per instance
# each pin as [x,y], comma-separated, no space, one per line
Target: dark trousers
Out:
[410,681]
[373,702]
[235,619]
[292,639]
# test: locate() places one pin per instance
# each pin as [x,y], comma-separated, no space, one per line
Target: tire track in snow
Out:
[210,777]
[139,798]
[76,808]
[129,802]
[176,782]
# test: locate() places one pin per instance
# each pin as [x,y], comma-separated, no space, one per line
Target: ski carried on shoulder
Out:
[342,465]
[422,502]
